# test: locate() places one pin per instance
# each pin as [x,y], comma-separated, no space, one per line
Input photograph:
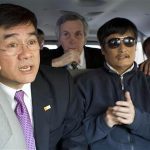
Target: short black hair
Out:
[12,15]
[116,25]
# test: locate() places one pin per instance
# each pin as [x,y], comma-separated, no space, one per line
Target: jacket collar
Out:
[112,70]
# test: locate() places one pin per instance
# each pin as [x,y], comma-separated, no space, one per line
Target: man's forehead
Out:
[72,29]
[117,35]
[72,24]
[21,30]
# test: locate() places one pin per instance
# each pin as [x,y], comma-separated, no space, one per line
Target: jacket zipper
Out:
[122,84]
[122,87]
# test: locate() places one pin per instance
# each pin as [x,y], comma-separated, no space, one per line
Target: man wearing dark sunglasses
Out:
[116,42]
[116,98]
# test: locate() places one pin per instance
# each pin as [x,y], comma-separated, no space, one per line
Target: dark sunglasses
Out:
[115,42]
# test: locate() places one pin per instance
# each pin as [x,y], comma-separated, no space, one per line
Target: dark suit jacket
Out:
[93,56]
[60,123]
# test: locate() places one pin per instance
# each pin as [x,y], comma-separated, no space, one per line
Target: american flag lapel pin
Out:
[46,108]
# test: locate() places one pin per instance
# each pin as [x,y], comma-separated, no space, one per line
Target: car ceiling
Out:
[96,13]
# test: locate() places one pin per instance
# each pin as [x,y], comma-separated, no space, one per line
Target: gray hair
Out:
[71,16]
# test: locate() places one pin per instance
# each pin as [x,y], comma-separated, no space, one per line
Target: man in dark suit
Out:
[71,32]
[93,56]
[50,118]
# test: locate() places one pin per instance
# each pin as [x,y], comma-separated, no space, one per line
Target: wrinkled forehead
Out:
[20,31]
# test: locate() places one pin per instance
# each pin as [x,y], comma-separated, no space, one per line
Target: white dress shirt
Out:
[27,97]
[82,64]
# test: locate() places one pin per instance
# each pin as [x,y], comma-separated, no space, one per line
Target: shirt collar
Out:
[82,61]
[11,92]
[114,70]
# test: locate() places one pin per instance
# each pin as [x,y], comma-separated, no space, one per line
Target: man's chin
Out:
[27,80]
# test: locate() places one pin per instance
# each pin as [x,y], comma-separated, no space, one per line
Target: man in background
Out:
[71,32]
[41,39]
[146,47]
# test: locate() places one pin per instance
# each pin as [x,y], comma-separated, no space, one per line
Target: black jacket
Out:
[93,56]
[101,88]
[61,123]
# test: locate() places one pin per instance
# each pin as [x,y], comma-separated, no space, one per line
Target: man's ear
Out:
[0,68]
[59,43]
[102,50]
[85,40]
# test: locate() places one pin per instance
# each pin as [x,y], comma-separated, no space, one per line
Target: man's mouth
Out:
[25,68]
[123,56]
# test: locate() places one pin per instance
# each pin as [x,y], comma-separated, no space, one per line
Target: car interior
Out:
[96,12]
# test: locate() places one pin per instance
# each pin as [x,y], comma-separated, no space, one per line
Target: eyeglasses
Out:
[14,47]
[115,42]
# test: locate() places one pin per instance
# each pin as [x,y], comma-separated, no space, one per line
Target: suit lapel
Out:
[87,59]
[42,111]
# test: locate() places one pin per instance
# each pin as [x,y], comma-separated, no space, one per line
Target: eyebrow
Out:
[15,34]
[71,31]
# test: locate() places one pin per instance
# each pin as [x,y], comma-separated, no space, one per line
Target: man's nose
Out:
[122,47]
[72,38]
[25,51]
